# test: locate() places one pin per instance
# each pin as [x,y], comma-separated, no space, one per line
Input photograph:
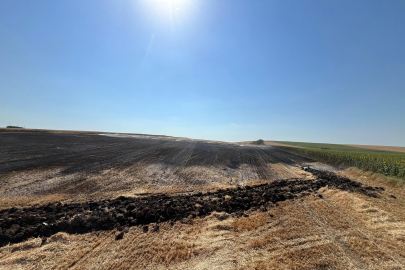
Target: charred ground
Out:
[21,224]
[87,201]
[88,153]
[85,166]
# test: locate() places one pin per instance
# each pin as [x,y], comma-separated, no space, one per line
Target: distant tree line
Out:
[258,142]
[14,127]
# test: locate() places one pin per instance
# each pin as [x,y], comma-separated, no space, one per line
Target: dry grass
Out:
[251,222]
[341,231]
[377,178]
[31,201]
[380,147]
[330,233]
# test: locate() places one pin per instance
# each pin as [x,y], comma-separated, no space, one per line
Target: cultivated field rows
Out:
[79,166]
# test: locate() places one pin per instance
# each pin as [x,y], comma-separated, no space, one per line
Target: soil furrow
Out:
[20,224]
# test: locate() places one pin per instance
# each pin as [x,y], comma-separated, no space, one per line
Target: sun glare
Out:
[176,14]
[169,8]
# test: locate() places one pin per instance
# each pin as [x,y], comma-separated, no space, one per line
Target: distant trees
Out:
[14,127]
[258,142]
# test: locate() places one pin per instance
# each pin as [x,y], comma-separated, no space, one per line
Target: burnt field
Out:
[86,201]
[89,153]
[126,212]
[77,164]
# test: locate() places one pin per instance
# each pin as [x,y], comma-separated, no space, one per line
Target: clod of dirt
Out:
[119,236]
[155,228]
[221,216]
[43,241]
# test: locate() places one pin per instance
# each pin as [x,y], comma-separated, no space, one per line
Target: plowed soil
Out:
[85,201]
[82,167]
[124,212]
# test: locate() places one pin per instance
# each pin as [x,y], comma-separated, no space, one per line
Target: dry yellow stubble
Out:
[341,231]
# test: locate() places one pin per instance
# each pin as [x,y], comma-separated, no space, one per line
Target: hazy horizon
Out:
[313,71]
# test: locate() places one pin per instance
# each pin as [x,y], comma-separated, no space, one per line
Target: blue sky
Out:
[233,70]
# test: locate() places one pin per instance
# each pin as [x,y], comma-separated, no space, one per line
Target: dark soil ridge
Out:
[17,225]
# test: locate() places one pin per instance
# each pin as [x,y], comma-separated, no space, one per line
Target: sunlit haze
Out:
[231,70]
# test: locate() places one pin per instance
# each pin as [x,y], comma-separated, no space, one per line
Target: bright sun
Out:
[170,9]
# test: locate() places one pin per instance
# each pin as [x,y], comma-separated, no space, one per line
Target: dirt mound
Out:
[344,183]
[17,225]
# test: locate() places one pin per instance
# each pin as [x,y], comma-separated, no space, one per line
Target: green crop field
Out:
[385,162]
